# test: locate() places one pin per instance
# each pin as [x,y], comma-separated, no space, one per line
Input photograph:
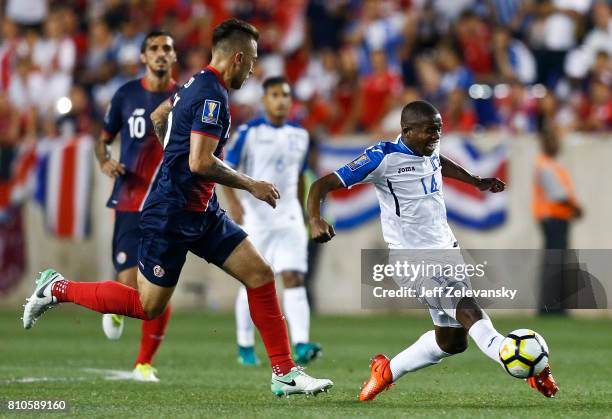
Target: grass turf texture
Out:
[200,375]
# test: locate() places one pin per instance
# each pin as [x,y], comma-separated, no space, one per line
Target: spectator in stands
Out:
[345,92]
[128,39]
[55,56]
[457,114]
[375,96]
[516,109]
[323,73]
[596,108]
[512,58]
[99,65]
[598,40]
[474,38]
[553,34]
[429,81]
[8,51]
[377,28]
[553,113]
[454,74]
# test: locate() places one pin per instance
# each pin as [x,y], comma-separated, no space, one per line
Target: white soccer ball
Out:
[523,353]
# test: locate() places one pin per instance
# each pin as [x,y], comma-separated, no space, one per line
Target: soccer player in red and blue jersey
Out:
[182,214]
[135,175]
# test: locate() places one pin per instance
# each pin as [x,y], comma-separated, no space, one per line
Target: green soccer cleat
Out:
[297,381]
[112,324]
[307,352]
[247,356]
[41,300]
[146,373]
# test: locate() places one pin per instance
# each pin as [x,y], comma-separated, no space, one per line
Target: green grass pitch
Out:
[200,376]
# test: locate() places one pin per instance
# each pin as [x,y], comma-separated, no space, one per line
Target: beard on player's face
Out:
[239,79]
[160,73]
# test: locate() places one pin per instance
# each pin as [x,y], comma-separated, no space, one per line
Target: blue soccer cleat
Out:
[307,352]
[247,356]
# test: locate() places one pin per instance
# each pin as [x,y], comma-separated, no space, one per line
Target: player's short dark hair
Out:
[273,81]
[417,111]
[234,30]
[151,35]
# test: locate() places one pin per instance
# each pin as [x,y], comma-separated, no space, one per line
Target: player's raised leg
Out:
[104,297]
[246,265]
[146,303]
[297,311]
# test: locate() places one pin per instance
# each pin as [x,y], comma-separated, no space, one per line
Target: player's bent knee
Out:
[454,347]
[153,310]
[260,276]
[292,279]
[128,277]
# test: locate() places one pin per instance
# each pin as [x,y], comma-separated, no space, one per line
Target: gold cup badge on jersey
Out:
[210,113]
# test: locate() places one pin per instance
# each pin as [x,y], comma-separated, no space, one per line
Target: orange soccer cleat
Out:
[544,382]
[380,378]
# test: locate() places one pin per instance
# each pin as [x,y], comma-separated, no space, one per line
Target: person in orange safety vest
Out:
[554,207]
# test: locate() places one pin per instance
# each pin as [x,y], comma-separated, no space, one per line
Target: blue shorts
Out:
[126,237]
[169,232]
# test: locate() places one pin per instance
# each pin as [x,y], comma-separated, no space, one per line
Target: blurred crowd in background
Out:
[510,65]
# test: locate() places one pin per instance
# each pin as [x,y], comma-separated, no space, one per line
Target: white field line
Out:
[110,375]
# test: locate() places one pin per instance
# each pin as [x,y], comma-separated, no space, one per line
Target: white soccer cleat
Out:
[146,373]
[112,324]
[297,381]
[41,300]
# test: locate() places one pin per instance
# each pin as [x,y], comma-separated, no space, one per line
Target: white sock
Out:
[487,338]
[422,353]
[297,312]
[245,329]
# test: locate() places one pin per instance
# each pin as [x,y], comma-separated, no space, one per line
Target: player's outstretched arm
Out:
[159,117]
[203,161]
[109,166]
[320,230]
[454,171]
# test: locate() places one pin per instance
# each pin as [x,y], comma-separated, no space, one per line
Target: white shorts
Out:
[286,249]
[439,306]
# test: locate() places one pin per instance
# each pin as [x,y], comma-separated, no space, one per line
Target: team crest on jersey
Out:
[210,113]
[158,271]
[359,162]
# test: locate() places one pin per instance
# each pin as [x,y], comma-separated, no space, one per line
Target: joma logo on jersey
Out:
[210,113]
[406,169]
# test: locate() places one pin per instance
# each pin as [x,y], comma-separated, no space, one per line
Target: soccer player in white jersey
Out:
[407,174]
[275,150]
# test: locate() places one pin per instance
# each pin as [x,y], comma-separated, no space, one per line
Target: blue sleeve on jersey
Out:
[112,118]
[234,154]
[357,170]
[207,117]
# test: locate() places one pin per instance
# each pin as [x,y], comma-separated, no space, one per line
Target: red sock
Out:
[104,297]
[152,335]
[267,317]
